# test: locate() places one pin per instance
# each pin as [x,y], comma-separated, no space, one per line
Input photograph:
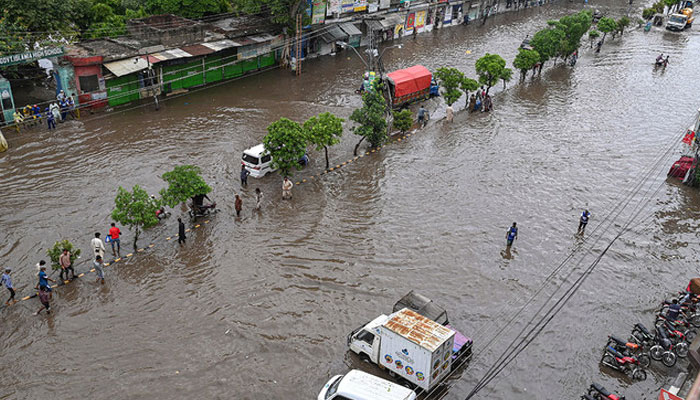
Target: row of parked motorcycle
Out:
[675,327]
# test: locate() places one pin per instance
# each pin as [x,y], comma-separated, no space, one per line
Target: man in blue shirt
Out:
[43,278]
[585,215]
[673,310]
[7,281]
[512,234]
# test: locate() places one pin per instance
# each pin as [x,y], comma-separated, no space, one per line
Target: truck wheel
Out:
[364,358]
[406,384]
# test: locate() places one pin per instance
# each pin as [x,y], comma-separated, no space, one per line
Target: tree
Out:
[55,252]
[281,12]
[286,142]
[403,120]
[135,209]
[623,23]
[468,85]
[670,4]
[184,182]
[526,60]
[607,25]
[450,79]
[648,13]
[506,75]
[490,68]
[370,118]
[593,35]
[187,8]
[547,43]
[324,130]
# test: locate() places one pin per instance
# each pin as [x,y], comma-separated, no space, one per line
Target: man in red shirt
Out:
[114,233]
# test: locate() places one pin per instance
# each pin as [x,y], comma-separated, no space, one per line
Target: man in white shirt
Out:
[97,246]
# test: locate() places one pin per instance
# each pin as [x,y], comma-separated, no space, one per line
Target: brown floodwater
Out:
[259,307]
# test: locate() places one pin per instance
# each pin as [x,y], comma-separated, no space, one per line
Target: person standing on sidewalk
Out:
[99,269]
[114,233]
[7,281]
[244,176]
[258,199]
[238,205]
[287,186]
[44,298]
[511,235]
[180,232]
[66,265]
[97,246]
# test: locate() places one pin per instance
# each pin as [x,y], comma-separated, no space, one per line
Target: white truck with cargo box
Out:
[411,347]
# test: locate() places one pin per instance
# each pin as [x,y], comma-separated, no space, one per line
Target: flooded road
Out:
[260,307]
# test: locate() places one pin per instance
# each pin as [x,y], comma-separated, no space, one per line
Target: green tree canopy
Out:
[187,8]
[547,43]
[593,35]
[55,252]
[489,68]
[323,131]
[525,61]
[607,25]
[468,85]
[450,80]
[135,209]
[623,23]
[371,118]
[286,142]
[281,12]
[403,120]
[184,182]
[506,75]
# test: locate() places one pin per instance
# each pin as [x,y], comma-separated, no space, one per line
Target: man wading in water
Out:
[511,235]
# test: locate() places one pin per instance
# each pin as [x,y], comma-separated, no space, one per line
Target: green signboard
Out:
[30,56]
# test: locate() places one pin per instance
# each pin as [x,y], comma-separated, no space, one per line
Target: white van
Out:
[358,385]
[259,162]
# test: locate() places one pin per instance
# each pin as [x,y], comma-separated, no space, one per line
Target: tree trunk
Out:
[357,146]
[504,84]
[602,41]
[136,237]
[523,73]
[327,163]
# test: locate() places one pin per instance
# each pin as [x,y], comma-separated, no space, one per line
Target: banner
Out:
[30,56]
[410,21]
[420,18]
[448,15]
[347,6]
[319,12]
[334,6]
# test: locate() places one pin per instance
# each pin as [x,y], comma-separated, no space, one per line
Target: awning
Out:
[221,44]
[350,29]
[391,21]
[374,25]
[333,33]
[127,66]
[197,50]
[171,54]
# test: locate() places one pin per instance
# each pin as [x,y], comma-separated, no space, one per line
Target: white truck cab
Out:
[358,385]
[365,340]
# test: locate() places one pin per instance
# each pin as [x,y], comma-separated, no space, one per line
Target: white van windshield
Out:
[250,159]
[334,388]
[678,19]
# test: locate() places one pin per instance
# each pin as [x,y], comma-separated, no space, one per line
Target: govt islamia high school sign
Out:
[30,56]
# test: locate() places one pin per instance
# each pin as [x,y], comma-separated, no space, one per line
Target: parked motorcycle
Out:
[201,211]
[628,349]
[664,349]
[628,365]
[598,392]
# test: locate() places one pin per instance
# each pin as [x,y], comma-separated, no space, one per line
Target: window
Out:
[266,158]
[366,336]
[7,103]
[250,159]
[89,83]
[334,388]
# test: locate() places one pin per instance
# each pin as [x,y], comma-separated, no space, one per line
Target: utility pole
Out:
[298,45]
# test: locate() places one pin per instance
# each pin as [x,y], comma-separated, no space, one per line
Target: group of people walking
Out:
[480,101]
[60,110]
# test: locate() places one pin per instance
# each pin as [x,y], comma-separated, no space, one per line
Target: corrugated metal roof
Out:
[262,38]
[127,66]
[221,44]
[350,29]
[419,329]
[374,25]
[392,20]
[197,50]
[333,33]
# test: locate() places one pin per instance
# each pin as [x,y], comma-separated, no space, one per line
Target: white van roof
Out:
[363,386]
[255,151]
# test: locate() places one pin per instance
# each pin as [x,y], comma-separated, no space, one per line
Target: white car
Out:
[259,162]
[358,385]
